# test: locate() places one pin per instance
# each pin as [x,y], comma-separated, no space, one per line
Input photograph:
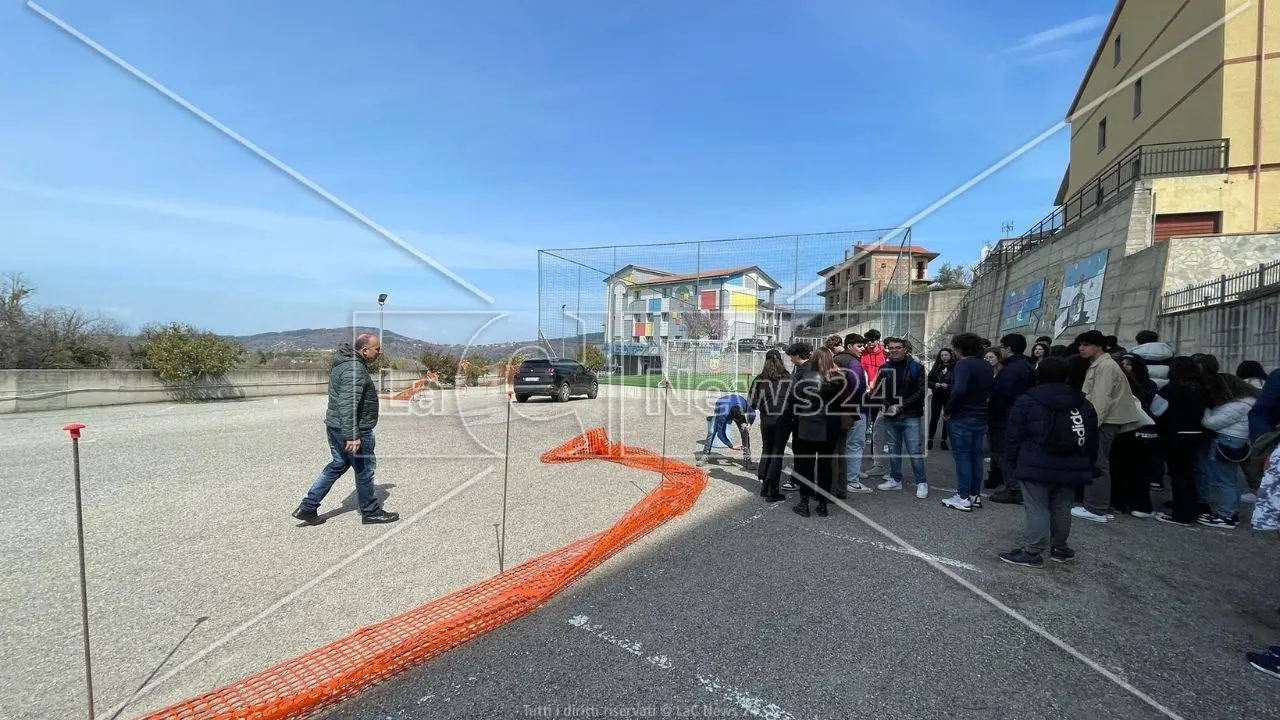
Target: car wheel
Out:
[562,393]
[593,391]
[522,398]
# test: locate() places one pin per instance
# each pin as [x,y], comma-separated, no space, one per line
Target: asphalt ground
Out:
[734,608]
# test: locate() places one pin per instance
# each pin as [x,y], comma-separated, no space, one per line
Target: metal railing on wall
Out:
[1156,160]
[1227,288]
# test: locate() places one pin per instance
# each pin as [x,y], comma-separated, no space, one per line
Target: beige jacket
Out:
[1107,388]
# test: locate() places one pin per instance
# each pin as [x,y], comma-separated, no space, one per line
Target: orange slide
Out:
[315,680]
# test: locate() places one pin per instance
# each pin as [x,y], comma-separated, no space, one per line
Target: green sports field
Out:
[715,382]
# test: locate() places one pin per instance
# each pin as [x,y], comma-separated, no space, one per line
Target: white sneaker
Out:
[922,490]
[1140,514]
[890,485]
[956,502]
[1079,512]
[857,487]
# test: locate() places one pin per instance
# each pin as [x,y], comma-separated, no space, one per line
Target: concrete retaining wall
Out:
[32,390]
[1244,330]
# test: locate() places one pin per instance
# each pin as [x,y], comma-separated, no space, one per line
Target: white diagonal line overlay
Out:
[299,177]
[395,530]
[1031,144]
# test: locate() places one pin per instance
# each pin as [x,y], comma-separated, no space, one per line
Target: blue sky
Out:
[482,131]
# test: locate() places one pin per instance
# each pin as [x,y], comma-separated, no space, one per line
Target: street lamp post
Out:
[562,313]
[382,383]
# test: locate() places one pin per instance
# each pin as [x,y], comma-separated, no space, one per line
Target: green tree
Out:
[591,357]
[444,365]
[183,354]
[953,277]
[477,367]
[507,368]
[35,338]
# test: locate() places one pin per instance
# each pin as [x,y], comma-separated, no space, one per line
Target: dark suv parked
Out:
[557,378]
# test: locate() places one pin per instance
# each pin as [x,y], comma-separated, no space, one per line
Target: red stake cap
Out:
[74,429]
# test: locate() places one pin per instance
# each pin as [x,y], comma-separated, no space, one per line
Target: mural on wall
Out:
[1081,293]
[1022,306]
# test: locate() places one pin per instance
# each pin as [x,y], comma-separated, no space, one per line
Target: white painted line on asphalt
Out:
[168,408]
[897,549]
[394,530]
[743,701]
[1019,617]
[758,514]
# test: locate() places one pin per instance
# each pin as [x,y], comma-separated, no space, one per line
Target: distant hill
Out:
[395,344]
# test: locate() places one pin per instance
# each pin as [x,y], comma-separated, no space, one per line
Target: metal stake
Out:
[74,429]
[506,464]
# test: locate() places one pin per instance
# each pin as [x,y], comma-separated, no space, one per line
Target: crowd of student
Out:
[1082,431]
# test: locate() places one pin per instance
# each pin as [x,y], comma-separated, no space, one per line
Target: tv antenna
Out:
[1007,229]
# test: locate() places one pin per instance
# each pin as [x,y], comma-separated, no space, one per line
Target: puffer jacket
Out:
[1029,422]
[1230,419]
[353,398]
[1157,356]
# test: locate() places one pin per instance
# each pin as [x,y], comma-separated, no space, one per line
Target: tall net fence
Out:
[704,313]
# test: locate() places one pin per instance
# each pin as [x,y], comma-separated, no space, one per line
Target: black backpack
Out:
[1066,434]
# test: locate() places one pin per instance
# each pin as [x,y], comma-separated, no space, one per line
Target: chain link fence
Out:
[722,304]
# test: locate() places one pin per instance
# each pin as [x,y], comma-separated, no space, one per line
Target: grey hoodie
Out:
[1157,356]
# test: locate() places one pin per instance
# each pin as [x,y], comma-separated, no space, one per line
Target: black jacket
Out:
[903,384]
[1016,377]
[942,374]
[1182,419]
[811,409]
[353,399]
[769,398]
[1029,424]
[844,359]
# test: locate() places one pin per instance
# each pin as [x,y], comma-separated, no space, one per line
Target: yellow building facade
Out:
[1172,72]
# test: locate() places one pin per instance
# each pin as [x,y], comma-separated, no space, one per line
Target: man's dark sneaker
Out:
[1023,558]
[1265,662]
[944,445]
[802,507]
[821,509]
[1274,650]
[975,502]
[775,497]
[1157,486]
[789,485]
[310,517]
[1005,497]
[379,518]
[991,483]
[1167,518]
[1062,554]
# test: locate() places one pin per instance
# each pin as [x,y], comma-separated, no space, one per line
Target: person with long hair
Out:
[993,360]
[941,378]
[1039,351]
[1132,450]
[814,396]
[768,394]
[1180,433]
[1230,400]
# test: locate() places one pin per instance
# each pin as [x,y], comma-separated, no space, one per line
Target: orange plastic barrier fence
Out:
[409,392]
[319,678]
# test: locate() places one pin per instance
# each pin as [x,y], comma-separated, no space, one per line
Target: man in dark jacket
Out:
[1051,443]
[349,422]
[1015,378]
[1264,416]
[900,386]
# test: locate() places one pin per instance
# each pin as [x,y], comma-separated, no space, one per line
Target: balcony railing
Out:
[1227,288]
[1159,160]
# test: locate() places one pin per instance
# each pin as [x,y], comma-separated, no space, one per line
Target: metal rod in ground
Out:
[75,429]
[506,466]
[498,544]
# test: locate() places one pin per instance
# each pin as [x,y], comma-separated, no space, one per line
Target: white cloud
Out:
[1051,41]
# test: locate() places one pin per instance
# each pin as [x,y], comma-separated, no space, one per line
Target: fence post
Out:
[1262,275]
[1222,289]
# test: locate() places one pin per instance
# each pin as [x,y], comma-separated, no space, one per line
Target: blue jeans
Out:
[853,449]
[362,460]
[899,430]
[744,433]
[1224,476]
[967,434]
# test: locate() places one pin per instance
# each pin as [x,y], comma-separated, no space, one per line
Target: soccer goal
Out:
[704,364]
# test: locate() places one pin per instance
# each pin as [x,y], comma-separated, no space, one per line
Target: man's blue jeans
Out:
[361,460]
[967,435]
[898,431]
[853,449]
